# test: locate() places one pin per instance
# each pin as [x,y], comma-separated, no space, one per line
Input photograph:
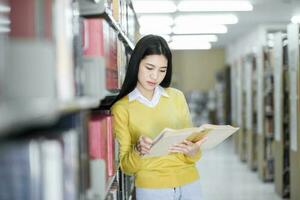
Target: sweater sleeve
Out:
[128,157]
[187,121]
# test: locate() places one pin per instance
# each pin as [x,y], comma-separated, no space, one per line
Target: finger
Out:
[178,150]
[145,149]
[145,145]
[181,145]
[147,140]
[202,140]
[187,142]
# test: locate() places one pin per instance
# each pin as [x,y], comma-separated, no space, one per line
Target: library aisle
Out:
[225,177]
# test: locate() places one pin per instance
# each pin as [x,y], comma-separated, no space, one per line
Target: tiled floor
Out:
[225,177]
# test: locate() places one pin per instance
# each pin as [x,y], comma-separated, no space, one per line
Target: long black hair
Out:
[148,45]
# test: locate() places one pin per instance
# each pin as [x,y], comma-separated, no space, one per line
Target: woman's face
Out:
[152,71]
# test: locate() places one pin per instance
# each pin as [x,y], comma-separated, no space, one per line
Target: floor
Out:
[225,177]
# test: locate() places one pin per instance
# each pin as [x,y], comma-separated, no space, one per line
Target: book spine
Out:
[110,147]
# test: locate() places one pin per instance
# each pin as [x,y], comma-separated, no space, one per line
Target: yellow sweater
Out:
[132,119]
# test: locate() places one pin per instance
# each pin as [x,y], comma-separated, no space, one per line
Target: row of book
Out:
[65,161]
[123,13]
[100,57]
[71,55]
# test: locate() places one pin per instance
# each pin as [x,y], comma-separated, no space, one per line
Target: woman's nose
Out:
[154,75]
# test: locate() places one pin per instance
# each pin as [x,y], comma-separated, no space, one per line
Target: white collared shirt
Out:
[137,95]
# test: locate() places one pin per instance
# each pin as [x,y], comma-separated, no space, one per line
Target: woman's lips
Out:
[151,83]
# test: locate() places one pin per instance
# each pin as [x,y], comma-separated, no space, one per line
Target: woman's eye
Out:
[163,71]
[149,68]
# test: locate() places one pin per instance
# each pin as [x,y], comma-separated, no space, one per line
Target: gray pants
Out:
[191,191]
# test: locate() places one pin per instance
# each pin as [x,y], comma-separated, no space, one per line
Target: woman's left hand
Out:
[187,147]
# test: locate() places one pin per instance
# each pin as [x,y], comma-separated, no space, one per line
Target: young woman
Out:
[144,107]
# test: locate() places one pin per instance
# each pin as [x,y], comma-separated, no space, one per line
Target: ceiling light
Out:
[163,20]
[195,38]
[154,29]
[148,6]
[188,29]
[191,46]
[206,19]
[296,19]
[4,8]
[214,6]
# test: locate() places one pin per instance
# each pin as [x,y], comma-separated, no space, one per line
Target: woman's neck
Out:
[148,94]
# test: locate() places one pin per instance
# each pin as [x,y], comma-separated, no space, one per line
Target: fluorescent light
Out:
[155,29]
[188,29]
[185,45]
[163,20]
[147,6]
[206,19]
[195,38]
[214,6]
[296,19]
[4,8]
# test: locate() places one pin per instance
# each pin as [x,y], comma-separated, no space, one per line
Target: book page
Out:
[217,136]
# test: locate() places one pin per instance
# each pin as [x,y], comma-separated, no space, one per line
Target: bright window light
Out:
[206,19]
[147,6]
[156,19]
[191,46]
[296,19]
[200,29]
[155,29]
[4,8]
[195,38]
[211,5]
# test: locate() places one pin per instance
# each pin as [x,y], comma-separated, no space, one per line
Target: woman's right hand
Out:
[143,145]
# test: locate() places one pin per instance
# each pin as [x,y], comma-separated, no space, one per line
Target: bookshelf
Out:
[294,91]
[265,119]
[251,111]
[234,102]
[281,116]
[60,62]
[240,111]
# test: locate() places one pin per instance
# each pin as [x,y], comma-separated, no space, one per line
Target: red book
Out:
[112,67]
[110,147]
[29,20]
[97,137]
[93,37]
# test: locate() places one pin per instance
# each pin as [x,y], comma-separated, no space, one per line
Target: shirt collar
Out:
[135,94]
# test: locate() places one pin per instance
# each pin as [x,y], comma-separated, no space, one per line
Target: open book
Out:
[216,134]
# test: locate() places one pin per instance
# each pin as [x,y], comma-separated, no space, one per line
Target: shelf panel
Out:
[16,116]
[79,104]
[91,8]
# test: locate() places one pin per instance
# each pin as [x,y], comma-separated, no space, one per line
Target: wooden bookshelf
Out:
[281,117]
[294,91]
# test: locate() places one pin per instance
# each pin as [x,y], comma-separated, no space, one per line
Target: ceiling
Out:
[264,12]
